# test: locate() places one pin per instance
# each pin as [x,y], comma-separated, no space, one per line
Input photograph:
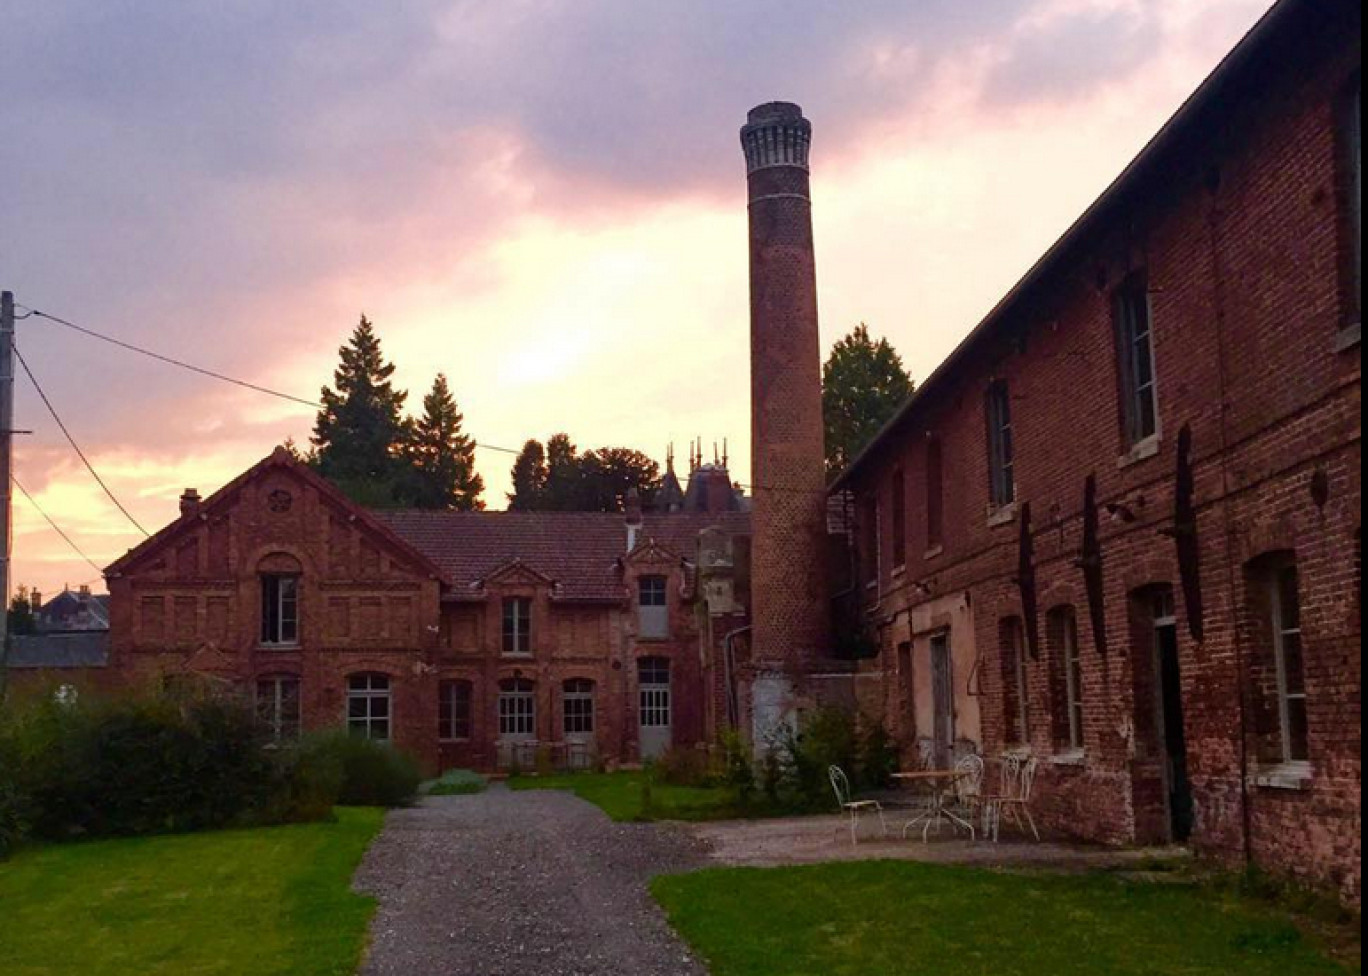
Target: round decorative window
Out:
[279,500]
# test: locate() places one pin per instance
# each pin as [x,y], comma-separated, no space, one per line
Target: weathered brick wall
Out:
[1242,242]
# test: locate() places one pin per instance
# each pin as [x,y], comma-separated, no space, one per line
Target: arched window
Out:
[1066,678]
[1012,648]
[1275,666]
[578,706]
[517,709]
[277,705]
[453,710]
[368,705]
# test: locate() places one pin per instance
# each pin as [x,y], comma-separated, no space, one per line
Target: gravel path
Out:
[532,883]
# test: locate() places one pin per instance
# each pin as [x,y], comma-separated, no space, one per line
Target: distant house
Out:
[77,609]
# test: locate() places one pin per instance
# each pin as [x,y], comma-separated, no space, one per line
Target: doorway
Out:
[653,683]
[943,700]
[1173,737]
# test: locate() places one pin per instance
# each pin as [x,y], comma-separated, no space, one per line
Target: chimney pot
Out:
[189,502]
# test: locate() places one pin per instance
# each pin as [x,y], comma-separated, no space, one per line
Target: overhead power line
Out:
[74,446]
[55,527]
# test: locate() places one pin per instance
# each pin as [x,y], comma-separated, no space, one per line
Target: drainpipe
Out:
[729,672]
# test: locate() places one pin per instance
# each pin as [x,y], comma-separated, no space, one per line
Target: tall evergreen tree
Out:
[863,384]
[563,475]
[360,433]
[442,457]
[529,478]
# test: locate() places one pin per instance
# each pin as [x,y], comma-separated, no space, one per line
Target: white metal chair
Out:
[840,785]
[1018,780]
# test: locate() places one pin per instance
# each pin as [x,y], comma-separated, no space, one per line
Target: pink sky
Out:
[545,200]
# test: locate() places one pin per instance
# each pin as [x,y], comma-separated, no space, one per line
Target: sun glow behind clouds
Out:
[618,315]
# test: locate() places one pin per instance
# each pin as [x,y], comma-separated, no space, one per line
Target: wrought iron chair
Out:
[1018,780]
[840,785]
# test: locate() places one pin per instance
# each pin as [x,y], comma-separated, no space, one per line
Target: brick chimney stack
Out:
[788,561]
[189,502]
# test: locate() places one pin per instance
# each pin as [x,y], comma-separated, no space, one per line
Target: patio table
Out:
[939,780]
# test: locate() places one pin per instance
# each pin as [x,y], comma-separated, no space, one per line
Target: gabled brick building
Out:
[1119,528]
[481,639]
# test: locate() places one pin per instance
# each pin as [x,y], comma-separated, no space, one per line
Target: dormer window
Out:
[517,625]
[653,608]
[280,609]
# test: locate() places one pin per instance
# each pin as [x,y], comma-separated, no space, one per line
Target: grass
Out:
[620,795]
[900,918]
[240,902]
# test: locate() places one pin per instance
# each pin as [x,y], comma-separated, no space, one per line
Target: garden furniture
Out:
[1018,780]
[840,784]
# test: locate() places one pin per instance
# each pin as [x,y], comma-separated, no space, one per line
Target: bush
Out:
[683,766]
[793,768]
[456,782]
[373,774]
[738,766]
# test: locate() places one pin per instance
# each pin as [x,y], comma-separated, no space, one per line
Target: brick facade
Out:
[420,598]
[1239,224]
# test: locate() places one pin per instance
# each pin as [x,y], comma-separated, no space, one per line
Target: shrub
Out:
[738,766]
[683,766]
[373,774]
[456,782]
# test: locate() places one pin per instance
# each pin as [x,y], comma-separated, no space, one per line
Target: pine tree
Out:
[442,457]
[360,434]
[863,384]
[564,475]
[529,479]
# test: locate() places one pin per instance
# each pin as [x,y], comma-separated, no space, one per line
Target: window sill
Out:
[453,742]
[1349,337]
[1072,757]
[1143,450]
[1285,776]
[518,655]
[263,646]
[1002,515]
[933,552]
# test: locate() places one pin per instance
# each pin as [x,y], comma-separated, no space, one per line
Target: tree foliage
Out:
[22,617]
[360,433]
[863,384]
[441,457]
[557,477]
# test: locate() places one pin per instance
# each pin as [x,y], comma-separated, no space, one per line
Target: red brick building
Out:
[1119,528]
[476,639]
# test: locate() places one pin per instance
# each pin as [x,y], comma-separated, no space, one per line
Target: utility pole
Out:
[6,475]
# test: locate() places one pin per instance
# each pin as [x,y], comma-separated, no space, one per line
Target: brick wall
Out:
[1238,230]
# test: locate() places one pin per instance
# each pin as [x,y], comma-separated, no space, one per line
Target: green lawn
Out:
[899,918]
[620,796]
[240,902]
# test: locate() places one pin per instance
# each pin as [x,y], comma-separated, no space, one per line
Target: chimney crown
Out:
[189,502]
[776,134]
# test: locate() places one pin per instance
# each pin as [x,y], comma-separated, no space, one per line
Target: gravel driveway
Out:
[530,883]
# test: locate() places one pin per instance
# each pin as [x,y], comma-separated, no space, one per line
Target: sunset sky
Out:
[544,199]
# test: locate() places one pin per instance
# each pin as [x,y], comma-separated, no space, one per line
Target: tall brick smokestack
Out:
[788,569]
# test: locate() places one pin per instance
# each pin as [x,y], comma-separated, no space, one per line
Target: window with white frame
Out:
[1066,678]
[1001,475]
[517,709]
[368,705]
[453,710]
[653,678]
[577,702]
[280,609]
[517,625]
[277,706]
[1135,354]
[653,608]
[1287,649]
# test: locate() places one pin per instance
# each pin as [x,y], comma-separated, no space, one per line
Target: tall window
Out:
[935,488]
[453,710]
[998,408]
[1012,640]
[517,709]
[899,519]
[368,705]
[1067,678]
[279,608]
[277,706]
[578,706]
[517,625]
[1135,353]
[653,676]
[1287,647]
[869,540]
[653,608]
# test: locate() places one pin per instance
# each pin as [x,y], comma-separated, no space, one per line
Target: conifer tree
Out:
[863,384]
[442,457]
[360,434]
[529,478]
